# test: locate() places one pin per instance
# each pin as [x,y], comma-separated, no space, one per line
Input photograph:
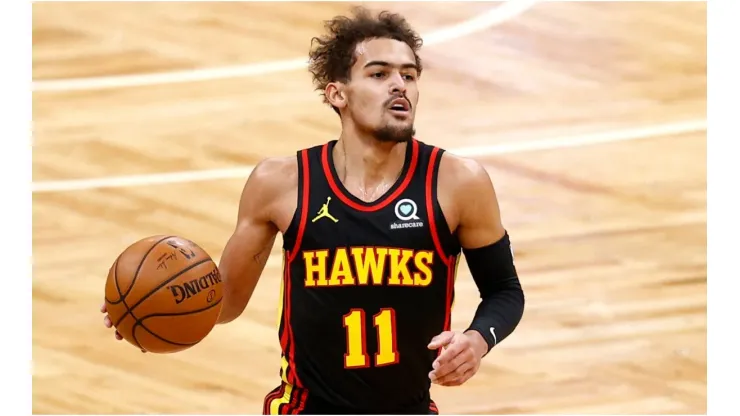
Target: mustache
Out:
[395,97]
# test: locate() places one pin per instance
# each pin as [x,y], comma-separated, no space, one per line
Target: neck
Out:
[366,166]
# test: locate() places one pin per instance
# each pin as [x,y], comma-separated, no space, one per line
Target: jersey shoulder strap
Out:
[292,236]
[446,241]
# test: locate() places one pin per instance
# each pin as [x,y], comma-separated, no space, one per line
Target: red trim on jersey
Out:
[287,338]
[430,207]
[291,357]
[286,308]
[380,204]
[302,402]
[450,289]
[304,208]
[272,396]
[294,406]
[290,407]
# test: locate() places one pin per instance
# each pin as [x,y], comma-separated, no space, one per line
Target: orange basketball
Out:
[163,294]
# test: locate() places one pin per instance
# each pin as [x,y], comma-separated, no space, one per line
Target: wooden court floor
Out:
[610,236]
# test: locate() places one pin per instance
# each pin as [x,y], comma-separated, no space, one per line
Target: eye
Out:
[378,75]
[409,77]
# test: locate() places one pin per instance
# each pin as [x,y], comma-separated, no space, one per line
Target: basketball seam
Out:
[157,315]
[128,310]
[140,322]
[133,333]
[161,285]
[138,269]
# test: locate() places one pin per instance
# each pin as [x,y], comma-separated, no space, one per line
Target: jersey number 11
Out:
[385,323]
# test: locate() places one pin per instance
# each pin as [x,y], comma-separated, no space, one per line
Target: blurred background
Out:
[589,116]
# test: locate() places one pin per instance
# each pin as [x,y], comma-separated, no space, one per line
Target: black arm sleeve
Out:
[502,298]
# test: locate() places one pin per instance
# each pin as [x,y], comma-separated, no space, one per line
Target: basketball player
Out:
[373,225]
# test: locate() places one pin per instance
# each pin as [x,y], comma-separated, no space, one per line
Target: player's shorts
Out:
[290,400]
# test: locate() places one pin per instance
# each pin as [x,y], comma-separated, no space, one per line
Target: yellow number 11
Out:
[385,323]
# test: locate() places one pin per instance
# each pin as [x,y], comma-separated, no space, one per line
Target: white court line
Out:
[658,130]
[492,17]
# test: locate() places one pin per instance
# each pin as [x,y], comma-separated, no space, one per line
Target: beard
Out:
[396,134]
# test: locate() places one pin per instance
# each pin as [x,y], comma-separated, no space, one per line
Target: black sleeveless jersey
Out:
[366,285]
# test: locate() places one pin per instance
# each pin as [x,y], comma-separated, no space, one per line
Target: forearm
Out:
[235,299]
[502,298]
[499,313]
[237,290]
[241,265]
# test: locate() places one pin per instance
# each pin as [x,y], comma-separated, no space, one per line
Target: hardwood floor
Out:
[610,237]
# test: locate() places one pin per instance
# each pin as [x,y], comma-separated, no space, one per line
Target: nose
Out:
[397,84]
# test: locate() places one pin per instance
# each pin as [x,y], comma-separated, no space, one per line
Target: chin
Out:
[397,134]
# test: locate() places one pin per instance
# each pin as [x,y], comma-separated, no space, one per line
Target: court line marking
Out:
[507,11]
[687,126]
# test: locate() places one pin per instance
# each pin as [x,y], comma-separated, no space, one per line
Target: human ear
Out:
[336,95]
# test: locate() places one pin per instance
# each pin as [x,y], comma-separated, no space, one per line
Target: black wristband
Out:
[502,298]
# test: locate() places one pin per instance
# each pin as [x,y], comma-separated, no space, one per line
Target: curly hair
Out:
[334,54]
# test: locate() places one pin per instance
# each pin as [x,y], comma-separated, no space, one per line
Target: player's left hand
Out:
[460,358]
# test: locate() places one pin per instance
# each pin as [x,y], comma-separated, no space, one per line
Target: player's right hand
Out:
[107,322]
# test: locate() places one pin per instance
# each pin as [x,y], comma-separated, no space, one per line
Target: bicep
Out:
[479,213]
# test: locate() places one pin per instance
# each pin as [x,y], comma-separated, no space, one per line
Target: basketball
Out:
[163,294]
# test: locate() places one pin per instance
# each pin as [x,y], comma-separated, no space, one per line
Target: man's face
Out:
[382,92]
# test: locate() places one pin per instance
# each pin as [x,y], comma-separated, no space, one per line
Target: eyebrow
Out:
[383,63]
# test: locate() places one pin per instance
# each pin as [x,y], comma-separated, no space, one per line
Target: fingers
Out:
[456,364]
[449,361]
[459,376]
[441,340]
[109,324]
[447,355]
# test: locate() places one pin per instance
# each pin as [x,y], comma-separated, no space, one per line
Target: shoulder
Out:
[277,172]
[270,181]
[464,190]
[466,187]
[462,173]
